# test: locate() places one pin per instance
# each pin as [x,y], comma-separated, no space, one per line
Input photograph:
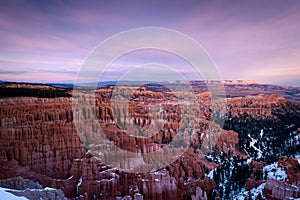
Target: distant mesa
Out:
[16,89]
[29,85]
[26,85]
[236,82]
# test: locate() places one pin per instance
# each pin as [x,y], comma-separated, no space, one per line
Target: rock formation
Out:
[60,146]
[280,190]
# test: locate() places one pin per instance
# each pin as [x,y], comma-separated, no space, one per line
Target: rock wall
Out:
[276,190]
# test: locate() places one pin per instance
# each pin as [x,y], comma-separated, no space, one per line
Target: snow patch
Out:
[298,158]
[253,193]
[4,194]
[261,133]
[256,191]
[249,161]
[274,172]
[211,174]
[79,183]
[252,144]
[88,152]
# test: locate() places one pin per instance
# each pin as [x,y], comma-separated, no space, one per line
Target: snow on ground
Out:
[298,158]
[253,193]
[249,161]
[211,174]
[4,194]
[261,133]
[272,171]
[252,144]
[275,172]
[78,185]
[256,191]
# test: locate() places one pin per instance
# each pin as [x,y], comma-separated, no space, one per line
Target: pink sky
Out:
[48,41]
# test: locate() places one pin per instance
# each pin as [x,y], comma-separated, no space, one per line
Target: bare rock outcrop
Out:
[280,190]
[292,169]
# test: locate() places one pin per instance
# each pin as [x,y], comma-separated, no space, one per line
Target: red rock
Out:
[280,190]
[253,184]
[39,141]
[291,167]
[200,195]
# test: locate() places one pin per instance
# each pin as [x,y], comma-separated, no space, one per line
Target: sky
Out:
[49,41]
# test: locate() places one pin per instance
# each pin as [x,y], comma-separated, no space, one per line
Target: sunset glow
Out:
[48,41]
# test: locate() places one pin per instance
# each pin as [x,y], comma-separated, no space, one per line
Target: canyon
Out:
[144,142]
